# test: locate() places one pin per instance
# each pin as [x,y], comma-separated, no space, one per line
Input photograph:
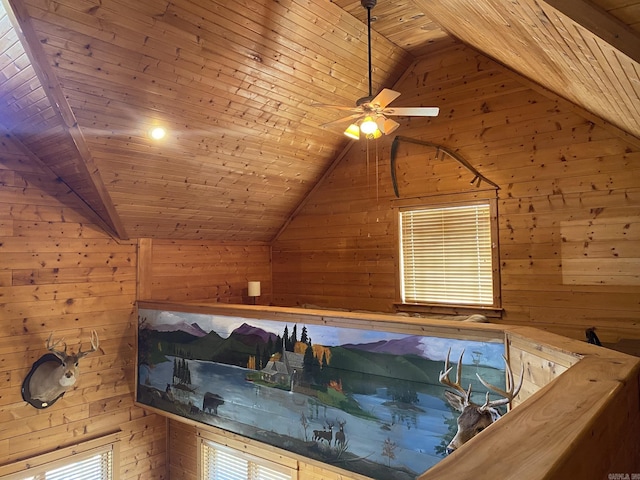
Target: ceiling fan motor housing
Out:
[363,100]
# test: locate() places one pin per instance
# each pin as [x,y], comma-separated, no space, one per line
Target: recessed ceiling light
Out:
[158,133]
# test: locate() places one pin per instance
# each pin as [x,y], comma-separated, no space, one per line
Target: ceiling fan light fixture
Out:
[368,126]
[353,131]
[387,125]
[374,135]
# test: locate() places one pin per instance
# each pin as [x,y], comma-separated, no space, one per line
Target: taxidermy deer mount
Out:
[474,418]
[54,373]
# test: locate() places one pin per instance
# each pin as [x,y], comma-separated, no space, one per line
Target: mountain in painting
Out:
[410,345]
[248,332]
[190,328]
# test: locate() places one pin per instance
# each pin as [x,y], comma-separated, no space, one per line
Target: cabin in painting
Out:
[538,133]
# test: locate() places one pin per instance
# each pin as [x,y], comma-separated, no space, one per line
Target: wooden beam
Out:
[602,24]
[91,213]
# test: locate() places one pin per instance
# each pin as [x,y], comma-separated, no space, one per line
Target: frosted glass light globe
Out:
[368,126]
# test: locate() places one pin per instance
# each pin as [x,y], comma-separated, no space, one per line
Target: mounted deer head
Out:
[54,373]
[474,418]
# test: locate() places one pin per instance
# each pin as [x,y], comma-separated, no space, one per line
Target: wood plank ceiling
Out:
[83,81]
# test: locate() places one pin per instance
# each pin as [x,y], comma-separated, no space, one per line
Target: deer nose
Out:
[450,450]
[68,375]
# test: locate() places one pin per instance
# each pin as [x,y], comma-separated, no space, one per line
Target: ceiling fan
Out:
[370,113]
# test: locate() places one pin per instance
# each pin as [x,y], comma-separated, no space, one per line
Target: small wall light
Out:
[253,290]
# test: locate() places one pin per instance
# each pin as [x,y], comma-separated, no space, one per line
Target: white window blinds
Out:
[94,465]
[446,255]
[97,467]
[223,463]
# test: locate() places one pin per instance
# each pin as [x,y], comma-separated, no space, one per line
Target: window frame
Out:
[457,200]
[284,464]
[46,462]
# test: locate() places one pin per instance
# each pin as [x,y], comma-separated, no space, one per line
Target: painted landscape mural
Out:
[365,401]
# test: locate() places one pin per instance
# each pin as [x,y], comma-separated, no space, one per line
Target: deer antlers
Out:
[444,379]
[507,395]
[95,343]
[52,349]
[62,355]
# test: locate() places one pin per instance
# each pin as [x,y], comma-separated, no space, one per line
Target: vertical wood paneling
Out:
[183,451]
[539,365]
[569,204]
[61,273]
[145,263]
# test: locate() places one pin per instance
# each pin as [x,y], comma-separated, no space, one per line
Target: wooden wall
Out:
[569,203]
[60,272]
[184,270]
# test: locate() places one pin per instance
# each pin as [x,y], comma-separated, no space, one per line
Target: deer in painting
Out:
[474,418]
[340,436]
[319,435]
[52,378]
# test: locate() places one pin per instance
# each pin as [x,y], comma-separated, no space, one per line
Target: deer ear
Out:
[454,400]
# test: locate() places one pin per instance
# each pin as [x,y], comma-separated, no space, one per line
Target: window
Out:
[223,463]
[448,255]
[74,463]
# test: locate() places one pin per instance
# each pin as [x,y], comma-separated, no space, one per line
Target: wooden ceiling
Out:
[83,81]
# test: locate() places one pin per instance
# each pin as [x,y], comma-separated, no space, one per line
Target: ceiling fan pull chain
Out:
[377,179]
[368,174]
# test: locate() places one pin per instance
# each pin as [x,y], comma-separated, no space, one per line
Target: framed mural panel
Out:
[367,401]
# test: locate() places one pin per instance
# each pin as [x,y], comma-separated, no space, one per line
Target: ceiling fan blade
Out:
[341,120]
[412,111]
[385,97]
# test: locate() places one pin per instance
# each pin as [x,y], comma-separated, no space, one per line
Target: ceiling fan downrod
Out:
[368,4]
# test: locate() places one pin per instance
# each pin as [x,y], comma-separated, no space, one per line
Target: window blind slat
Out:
[446,255]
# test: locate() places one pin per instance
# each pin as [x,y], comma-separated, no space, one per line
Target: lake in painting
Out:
[366,401]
